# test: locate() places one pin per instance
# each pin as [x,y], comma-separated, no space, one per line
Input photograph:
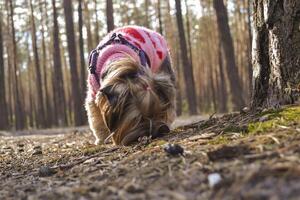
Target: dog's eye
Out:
[111,97]
[162,95]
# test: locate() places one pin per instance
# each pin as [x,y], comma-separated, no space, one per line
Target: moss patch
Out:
[223,139]
[288,116]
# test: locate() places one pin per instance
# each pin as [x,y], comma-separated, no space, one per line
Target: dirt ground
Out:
[236,156]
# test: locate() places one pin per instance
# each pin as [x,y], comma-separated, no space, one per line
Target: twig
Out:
[71,165]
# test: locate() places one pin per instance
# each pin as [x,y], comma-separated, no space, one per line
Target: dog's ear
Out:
[111,97]
[166,67]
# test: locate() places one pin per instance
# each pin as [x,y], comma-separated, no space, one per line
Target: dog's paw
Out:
[98,141]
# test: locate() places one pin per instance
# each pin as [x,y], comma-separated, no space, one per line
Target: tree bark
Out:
[40,103]
[110,15]
[3,105]
[276,53]
[58,87]
[188,69]
[76,95]
[228,49]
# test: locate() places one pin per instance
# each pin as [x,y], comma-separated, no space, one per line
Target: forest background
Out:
[44,48]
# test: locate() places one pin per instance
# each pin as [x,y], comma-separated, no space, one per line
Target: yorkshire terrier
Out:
[131,86]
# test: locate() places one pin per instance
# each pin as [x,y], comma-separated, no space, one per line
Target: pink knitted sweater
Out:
[153,44]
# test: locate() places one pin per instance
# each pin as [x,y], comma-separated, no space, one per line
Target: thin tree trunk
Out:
[188,32]
[250,71]
[159,17]
[10,70]
[212,89]
[81,49]
[19,116]
[67,87]
[96,19]
[40,103]
[169,31]
[146,20]
[87,21]
[188,70]
[223,92]
[76,95]
[276,53]
[3,105]
[29,76]
[227,45]
[58,87]
[110,15]
[48,109]
[49,58]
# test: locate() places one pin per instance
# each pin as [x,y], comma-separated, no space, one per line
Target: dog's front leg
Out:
[96,122]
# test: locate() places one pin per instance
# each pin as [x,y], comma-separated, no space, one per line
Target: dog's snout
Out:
[162,129]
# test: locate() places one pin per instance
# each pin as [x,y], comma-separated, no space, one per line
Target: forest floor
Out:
[236,156]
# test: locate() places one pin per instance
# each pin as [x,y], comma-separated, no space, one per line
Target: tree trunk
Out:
[160,29]
[250,71]
[81,49]
[48,109]
[276,53]
[97,39]
[228,49]
[19,115]
[87,21]
[188,69]
[222,82]
[76,95]
[110,15]
[212,89]
[10,67]
[40,103]
[188,31]
[146,7]
[3,105]
[58,87]
[29,77]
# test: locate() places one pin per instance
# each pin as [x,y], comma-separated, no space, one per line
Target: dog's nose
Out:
[160,130]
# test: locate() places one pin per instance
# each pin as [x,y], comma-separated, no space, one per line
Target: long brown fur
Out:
[132,102]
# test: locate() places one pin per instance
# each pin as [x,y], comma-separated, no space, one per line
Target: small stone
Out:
[37,152]
[21,145]
[132,188]
[214,179]
[46,171]
[264,118]
[173,149]
[37,147]
[21,150]
[245,110]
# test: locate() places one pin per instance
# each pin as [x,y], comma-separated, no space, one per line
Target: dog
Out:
[131,86]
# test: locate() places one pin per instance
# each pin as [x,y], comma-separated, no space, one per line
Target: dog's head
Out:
[134,102]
